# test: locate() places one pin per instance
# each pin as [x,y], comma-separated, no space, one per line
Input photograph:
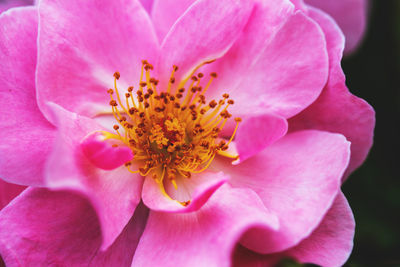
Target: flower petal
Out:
[191,193]
[351,15]
[7,4]
[163,20]
[332,241]
[266,20]
[81,45]
[288,75]
[43,227]
[256,133]
[103,153]
[147,4]
[297,177]
[329,245]
[114,194]
[337,110]
[190,41]
[8,192]
[26,135]
[205,237]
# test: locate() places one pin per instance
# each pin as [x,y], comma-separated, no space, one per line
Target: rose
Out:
[281,198]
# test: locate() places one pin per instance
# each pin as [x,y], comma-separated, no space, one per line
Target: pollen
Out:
[172,131]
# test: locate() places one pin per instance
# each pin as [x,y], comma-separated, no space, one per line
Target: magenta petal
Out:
[197,189]
[8,192]
[114,194]
[147,4]
[297,177]
[238,61]
[351,15]
[289,74]
[190,41]
[163,20]
[256,133]
[26,136]
[81,45]
[329,245]
[103,154]
[205,237]
[337,110]
[7,4]
[42,228]
[332,241]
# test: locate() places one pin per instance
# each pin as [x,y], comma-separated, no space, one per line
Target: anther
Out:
[117,75]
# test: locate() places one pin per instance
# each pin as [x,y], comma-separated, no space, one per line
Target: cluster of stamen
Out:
[173,132]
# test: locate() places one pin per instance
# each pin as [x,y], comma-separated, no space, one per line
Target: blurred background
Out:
[373,191]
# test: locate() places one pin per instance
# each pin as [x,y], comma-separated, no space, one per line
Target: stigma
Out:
[171,129]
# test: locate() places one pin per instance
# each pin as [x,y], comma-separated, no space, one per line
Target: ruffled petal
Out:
[26,135]
[205,237]
[337,110]
[329,245]
[43,227]
[114,194]
[163,20]
[297,177]
[190,195]
[351,15]
[190,42]
[8,192]
[82,44]
[286,76]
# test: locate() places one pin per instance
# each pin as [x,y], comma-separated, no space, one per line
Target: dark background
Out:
[373,191]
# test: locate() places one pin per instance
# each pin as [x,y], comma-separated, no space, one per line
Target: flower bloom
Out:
[207,133]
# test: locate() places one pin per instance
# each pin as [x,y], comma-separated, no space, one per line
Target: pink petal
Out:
[163,20]
[329,245]
[297,178]
[266,20]
[103,154]
[114,194]
[147,4]
[26,135]
[205,237]
[82,44]
[7,4]
[190,42]
[196,189]
[351,15]
[288,75]
[8,192]
[337,110]
[42,228]
[258,132]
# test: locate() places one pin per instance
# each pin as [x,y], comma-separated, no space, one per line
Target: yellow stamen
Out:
[170,134]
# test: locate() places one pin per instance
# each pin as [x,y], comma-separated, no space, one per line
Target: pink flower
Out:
[242,166]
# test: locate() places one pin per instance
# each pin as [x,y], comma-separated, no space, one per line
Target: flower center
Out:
[173,132]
